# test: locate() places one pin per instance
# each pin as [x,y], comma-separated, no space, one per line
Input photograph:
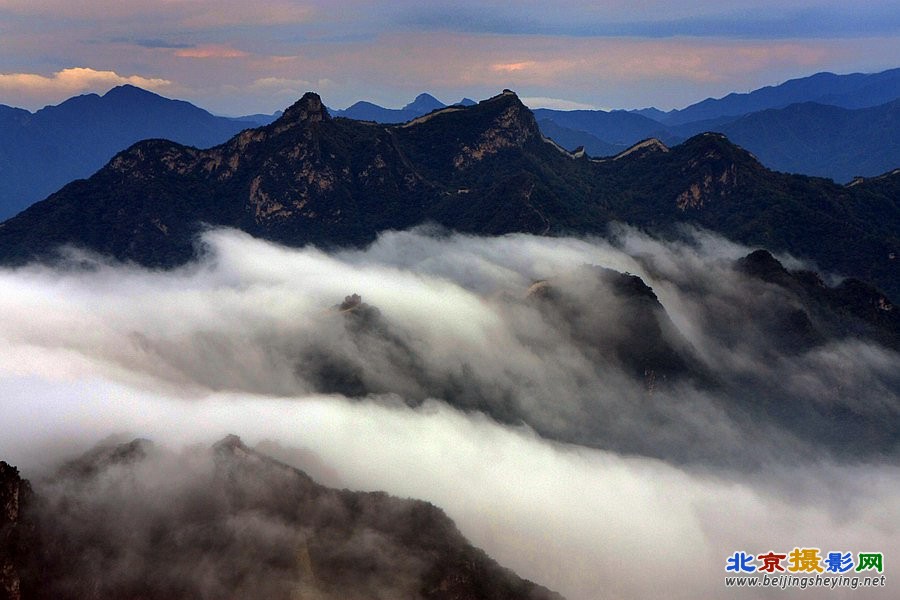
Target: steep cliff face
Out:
[134,521]
[16,531]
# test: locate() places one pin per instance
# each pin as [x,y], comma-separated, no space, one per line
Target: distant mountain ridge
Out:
[617,127]
[423,104]
[837,126]
[801,140]
[822,140]
[42,151]
[857,90]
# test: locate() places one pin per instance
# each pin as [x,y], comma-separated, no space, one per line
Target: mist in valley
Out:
[599,434]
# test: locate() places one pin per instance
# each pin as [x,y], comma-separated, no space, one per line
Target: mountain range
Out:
[826,125]
[837,126]
[794,127]
[856,90]
[311,178]
[822,140]
[736,359]
[42,151]
[422,105]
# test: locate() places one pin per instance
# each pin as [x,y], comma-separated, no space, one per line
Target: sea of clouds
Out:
[666,486]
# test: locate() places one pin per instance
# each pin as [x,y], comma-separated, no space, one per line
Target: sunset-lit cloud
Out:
[210,52]
[514,67]
[71,81]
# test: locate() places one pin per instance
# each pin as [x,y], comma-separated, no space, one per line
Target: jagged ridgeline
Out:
[228,522]
[310,178]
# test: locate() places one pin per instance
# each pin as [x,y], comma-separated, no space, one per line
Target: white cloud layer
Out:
[584,522]
[223,347]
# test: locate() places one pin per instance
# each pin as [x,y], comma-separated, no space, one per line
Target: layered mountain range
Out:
[422,105]
[310,178]
[227,521]
[836,126]
[42,151]
[826,125]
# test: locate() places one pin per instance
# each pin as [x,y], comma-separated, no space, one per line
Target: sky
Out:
[235,57]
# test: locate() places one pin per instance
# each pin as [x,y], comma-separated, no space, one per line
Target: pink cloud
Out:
[513,67]
[213,51]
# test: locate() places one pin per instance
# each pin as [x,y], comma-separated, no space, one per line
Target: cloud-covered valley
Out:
[598,436]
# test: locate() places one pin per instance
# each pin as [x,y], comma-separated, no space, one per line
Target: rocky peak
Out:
[351,302]
[10,485]
[762,265]
[229,445]
[508,124]
[509,100]
[106,454]
[715,167]
[424,103]
[712,147]
[308,109]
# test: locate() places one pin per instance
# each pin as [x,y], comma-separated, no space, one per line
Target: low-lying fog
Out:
[680,475]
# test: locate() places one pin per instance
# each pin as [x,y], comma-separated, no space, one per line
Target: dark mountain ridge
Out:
[311,178]
[239,525]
